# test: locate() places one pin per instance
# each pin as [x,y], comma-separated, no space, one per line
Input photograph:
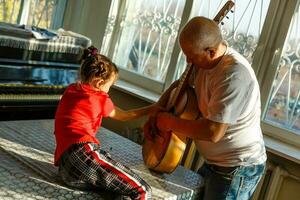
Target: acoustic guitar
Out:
[164,150]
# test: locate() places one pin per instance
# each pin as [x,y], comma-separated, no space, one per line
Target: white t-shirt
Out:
[229,93]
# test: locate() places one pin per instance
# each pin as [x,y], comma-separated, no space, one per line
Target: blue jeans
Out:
[230,183]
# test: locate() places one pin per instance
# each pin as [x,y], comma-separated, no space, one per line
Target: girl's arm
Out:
[122,115]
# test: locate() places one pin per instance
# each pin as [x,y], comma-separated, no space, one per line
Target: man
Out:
[228,135]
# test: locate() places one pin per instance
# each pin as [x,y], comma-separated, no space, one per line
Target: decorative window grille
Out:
[283,108]
[241,28]
[146,35]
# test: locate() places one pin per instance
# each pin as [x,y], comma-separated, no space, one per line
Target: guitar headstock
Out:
[223,12]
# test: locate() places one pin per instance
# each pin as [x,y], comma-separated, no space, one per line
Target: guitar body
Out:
[164,152]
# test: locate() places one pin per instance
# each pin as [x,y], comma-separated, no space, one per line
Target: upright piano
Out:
[34,71]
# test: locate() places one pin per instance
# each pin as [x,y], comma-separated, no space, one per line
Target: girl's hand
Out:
[156,108]
[164,121]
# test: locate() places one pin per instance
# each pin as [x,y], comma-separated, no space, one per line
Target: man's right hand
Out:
[150,128]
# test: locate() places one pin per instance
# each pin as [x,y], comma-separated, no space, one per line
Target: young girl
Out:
[82,163]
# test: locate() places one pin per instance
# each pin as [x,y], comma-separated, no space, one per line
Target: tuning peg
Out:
[227,17]
[231,11]
[222,23]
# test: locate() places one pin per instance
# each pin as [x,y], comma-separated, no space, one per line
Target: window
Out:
[141,37]
[282,80]
[283,107]
[9,10]
[41,13]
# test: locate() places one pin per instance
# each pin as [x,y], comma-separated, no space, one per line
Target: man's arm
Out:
[202,129]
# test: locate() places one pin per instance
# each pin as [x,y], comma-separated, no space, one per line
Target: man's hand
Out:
[150,129]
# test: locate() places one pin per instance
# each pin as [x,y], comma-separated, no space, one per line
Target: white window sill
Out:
[282,149]
[137,91]
[273,145]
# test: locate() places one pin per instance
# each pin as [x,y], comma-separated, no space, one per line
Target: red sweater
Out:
[79,115]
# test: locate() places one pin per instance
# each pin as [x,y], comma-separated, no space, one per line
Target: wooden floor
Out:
[27,171]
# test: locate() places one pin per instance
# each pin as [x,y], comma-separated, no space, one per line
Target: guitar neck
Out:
[183,82]
[222,13]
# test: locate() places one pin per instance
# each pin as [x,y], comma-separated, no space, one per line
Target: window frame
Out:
[267,57]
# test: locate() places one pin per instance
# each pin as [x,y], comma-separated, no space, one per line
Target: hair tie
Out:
[94,52]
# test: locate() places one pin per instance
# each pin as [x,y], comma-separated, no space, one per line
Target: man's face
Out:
[200,58]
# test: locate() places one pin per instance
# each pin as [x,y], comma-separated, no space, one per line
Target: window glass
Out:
[111,22]
[241,29]
[9,11]
[146,36]
[283,109]
[40,13]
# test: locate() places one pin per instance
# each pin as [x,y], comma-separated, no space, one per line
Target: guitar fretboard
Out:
[181,83]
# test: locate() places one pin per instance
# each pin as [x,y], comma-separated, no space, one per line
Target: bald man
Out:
[228,136]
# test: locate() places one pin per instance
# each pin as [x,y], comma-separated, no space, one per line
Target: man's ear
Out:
[211,52]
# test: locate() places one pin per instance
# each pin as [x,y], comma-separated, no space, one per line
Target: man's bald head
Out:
[200,33]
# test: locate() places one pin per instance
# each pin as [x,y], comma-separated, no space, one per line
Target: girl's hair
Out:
[94,65]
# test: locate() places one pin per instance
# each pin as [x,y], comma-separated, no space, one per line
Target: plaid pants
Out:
[86,166]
